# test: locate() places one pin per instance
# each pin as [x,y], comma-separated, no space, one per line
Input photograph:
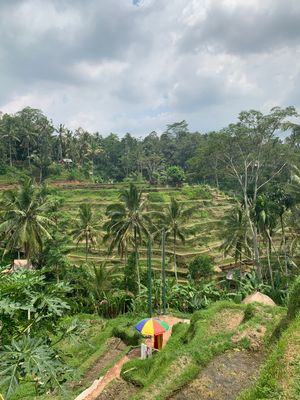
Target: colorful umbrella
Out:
[151,326]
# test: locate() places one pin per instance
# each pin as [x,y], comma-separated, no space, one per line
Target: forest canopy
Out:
[30,140]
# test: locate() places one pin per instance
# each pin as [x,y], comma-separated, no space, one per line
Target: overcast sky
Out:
[135,66]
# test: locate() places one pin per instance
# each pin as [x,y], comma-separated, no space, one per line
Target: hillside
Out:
[203,229]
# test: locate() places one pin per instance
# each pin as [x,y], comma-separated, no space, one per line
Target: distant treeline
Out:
[29,139]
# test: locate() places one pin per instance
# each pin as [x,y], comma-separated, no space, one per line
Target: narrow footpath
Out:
[95,390]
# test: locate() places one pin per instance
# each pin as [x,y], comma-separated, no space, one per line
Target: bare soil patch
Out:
[223,378]
[253,335]
[226,321]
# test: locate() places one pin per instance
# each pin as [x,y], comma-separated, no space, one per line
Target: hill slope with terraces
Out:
[203,229]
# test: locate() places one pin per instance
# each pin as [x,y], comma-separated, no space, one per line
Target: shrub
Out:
[115,304]
[127,333]
[201,267]
[249,312]
[294,300]
[55,169]
[134,178]
[75,175]
[175,176]
[156,197]
[198,192]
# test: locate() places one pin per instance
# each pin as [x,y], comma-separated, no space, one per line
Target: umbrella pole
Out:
[163,270]
[149,257]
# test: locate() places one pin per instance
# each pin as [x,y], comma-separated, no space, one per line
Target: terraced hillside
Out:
[203,229]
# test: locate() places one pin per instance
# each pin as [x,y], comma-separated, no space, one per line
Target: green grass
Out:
[280,377]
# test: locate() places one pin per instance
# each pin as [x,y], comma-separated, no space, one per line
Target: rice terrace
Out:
[149,200]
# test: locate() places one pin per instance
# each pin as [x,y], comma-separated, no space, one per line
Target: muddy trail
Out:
[224,378]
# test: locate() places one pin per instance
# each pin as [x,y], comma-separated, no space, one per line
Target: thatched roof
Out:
[259,298]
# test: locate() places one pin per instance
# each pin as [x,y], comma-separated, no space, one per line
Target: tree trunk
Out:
[10,153]
[28,154]
[256,259]
[284,245]
[27,250]
[269,262]
[216,174]
[256,254]
[86,247]
[41,174]
[60,155]
[175,260]
[137,261]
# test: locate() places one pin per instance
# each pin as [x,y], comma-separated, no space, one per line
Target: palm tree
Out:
[172,220]
[266,219]
[23,221]
[236,234]
[100,282]
[28,139]
[8,132]
[127,224]
[86,229]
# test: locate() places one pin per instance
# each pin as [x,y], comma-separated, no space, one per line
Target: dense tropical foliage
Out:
[257,170]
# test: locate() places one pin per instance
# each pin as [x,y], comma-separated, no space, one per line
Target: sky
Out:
[137,65]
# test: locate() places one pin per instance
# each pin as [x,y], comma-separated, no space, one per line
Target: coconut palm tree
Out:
[266,220]
[172,220]
[86,229]
[24,223]
[127,224]
[8,131]
[28,140]
[236,234]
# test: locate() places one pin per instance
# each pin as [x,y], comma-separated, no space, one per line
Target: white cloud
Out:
[116,66]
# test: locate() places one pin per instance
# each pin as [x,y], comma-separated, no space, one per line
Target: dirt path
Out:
[223,378]
[100,390]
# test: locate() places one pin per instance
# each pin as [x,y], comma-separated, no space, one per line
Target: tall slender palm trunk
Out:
[256,258]
[28,155]
[137,261]
[10,153]
[269,262]
[175,258]
[284,245]
[86,247]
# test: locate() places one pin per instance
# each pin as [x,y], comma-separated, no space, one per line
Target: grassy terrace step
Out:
[279,378]
[156,262]
[191,348]
[156,250]
[202,229]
